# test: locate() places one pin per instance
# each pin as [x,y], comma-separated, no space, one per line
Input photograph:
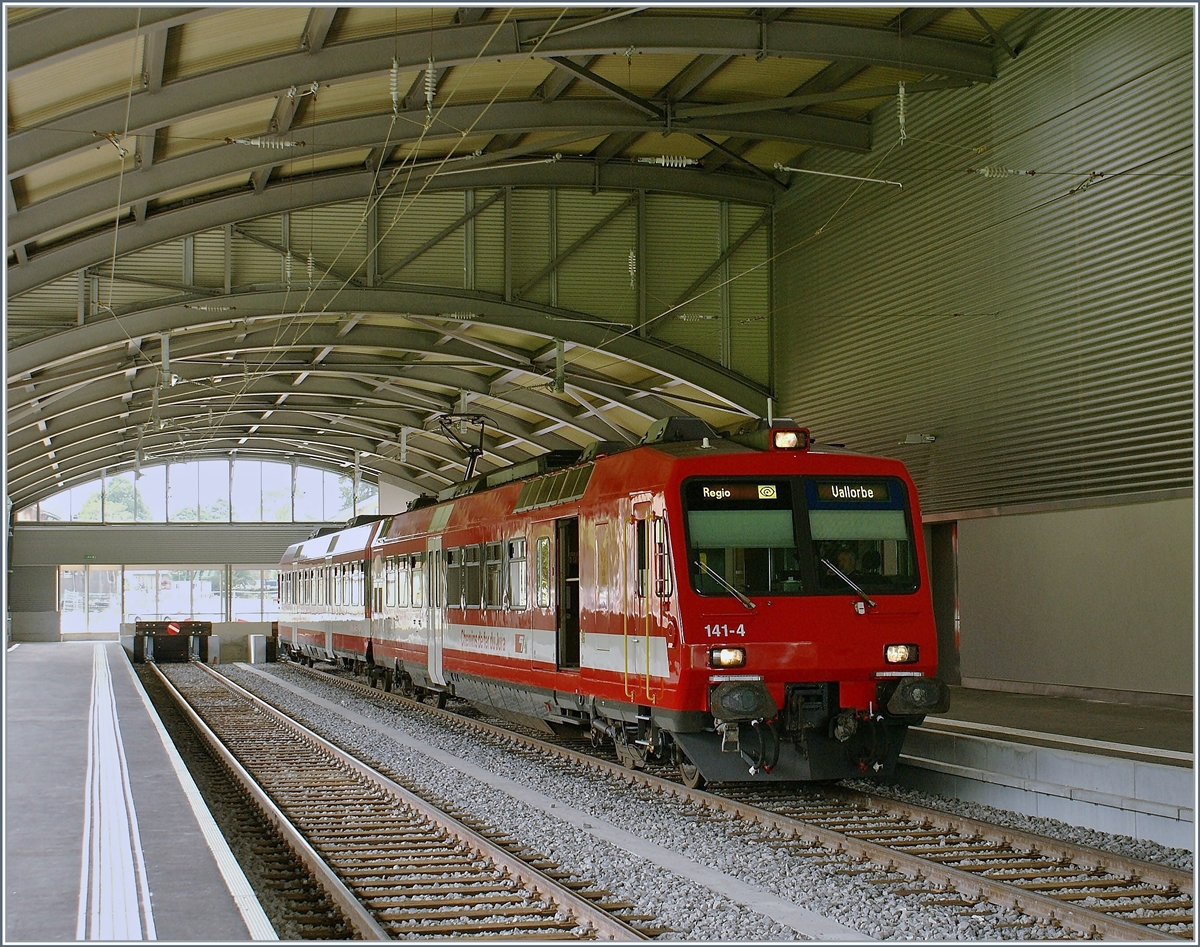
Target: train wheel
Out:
[690,773]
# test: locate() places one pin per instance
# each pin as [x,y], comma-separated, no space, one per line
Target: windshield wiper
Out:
[729,588]
[849,581]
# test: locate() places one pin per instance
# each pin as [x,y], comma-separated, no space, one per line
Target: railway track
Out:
[951,859]
[395,866]
[295,905]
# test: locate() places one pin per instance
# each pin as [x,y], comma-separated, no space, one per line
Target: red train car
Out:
[745,605]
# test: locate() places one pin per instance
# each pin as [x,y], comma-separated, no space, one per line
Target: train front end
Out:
[808,631]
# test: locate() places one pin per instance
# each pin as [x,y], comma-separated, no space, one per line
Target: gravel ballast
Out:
[816,882]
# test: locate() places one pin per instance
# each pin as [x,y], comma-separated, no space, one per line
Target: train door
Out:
[567,534]
[436,599]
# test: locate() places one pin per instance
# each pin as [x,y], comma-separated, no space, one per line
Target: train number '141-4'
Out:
[722,630]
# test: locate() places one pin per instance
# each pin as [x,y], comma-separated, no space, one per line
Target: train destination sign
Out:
[877,492]
[717,492]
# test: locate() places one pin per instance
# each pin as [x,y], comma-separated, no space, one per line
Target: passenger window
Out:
[472,584]
[543,572]
[454,578]
[493,573]
[662,559]
[402,581]
[641,558]
[602,566]
[417,567]
[389,583]
[517,574]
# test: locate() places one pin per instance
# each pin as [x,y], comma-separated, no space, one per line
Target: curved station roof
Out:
[328,231]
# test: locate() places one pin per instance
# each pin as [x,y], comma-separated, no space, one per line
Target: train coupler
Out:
[730,736]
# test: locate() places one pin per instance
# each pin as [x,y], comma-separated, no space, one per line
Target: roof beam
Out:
[655,31]
[464,16]
[735,155]
[320,19]
[915,19]
[686,113]
[623,95]
[280,124]
[993,32]
[54,263]
[612,146]
[154,56]
[693,75]
[561,79]
[78,343]
[320,268]
[564,117]
[61,33]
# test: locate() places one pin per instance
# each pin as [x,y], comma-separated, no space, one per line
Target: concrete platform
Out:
[1113,767]
[106,836]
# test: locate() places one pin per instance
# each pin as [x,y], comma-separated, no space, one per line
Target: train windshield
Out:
[742,535]
[794,536]
[859,529]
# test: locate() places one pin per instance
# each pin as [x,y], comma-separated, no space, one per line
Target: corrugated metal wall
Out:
[1044,337]
[336,236]
[254,264]
[727,322]
[32,589]
[407,223]
[596,277]
[683,238]
[530,249]
[749,275]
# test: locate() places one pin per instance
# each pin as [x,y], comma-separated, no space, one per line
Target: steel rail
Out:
[1082,855]
[605,924]
[1080,919]
[355,912]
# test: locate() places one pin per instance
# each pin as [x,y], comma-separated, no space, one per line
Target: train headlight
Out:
[790,439]
[726,657]
[900,653]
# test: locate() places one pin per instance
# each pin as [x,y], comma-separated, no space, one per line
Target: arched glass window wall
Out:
[211,491]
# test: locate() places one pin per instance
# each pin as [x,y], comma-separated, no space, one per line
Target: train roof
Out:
[562,476]
[329,543]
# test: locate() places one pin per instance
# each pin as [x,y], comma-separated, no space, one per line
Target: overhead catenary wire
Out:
[983,174]
[400,209]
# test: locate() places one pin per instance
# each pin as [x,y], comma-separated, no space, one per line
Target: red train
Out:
[743,604]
